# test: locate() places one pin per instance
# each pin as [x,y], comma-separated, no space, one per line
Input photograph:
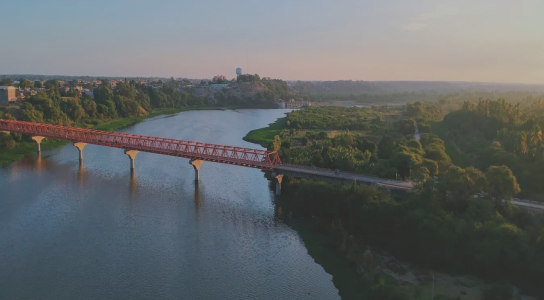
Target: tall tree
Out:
[386,147]
[502,184]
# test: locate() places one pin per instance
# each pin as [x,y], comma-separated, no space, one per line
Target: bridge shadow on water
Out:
[51,171]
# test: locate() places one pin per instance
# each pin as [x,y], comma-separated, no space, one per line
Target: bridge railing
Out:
[261,159]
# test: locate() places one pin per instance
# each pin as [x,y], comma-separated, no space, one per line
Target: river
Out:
[99,233]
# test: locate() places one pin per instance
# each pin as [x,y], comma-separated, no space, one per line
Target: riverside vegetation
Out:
[457,219]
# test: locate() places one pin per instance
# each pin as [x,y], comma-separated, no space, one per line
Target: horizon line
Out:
[302,80]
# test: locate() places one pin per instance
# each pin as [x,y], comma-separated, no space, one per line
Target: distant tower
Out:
[238,72]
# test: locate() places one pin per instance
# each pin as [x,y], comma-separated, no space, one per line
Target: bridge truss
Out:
[247,157]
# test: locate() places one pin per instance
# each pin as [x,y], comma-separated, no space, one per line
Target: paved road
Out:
[395,184]
[344,175]
[528,203]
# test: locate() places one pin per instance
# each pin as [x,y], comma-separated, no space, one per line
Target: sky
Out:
[429,40]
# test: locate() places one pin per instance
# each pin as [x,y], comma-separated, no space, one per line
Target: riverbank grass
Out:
[265,136]
[27,148]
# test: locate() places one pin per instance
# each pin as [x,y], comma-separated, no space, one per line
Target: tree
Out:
[421,174]
[89,106]
[386,147]
[276,145]
[6,141]
[431,166]
[38,84]
[73,109]
[103,94]
[502,184]
[458,186]
[30,114]
[144,101]
[536,136]
[407,126]
[126,90]
[404,162]
[366,145]
[6,81]
[53,87]
[25,83]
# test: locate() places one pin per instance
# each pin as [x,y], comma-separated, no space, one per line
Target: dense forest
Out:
[498,132]
[457,219]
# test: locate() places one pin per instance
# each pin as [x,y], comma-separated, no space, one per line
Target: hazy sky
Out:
[463,40]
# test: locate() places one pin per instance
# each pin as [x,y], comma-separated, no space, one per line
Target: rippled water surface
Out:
[99,233]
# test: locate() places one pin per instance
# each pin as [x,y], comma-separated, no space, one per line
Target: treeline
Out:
[254,92]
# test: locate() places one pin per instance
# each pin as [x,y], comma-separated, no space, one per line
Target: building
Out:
[88,92]
[219,78]
[8,94]
[219,86]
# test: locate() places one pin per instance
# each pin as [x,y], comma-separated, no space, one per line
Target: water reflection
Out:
[133,185]
[197,198]
[81,174]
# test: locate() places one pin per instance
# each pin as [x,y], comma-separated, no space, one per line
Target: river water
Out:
[99,233]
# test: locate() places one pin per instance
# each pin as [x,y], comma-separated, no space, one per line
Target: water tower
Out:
[238,72]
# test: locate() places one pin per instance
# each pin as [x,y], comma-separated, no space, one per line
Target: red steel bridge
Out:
[195,151]
[261,159]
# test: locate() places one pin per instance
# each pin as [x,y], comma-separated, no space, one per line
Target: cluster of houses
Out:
[13,93]
[85,87]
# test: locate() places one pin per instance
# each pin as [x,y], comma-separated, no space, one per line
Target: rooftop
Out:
[5,87]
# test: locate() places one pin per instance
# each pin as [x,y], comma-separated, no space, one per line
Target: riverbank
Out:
[264,136]
[25,148]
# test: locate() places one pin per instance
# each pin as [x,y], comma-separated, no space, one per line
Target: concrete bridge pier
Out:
[279,178]
[80,147]
[196,165]
[38,140]
[132,155]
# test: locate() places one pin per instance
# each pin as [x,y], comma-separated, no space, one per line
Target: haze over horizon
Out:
[424,40]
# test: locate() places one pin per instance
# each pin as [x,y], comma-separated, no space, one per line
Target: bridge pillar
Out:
[132,155]
[196,165]
[279,178]
[38,140]
[80,147]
